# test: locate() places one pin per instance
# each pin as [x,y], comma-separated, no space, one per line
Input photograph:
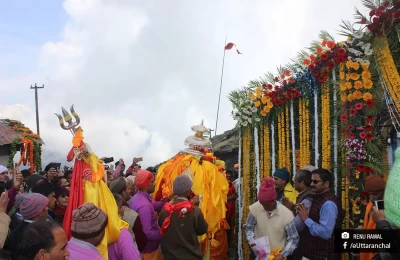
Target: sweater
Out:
[124,248]
[274,226]
[79,250]
[4,223]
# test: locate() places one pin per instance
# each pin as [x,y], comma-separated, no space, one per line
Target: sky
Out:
[140,73]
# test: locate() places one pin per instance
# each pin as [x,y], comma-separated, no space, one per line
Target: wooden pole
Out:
[37,106]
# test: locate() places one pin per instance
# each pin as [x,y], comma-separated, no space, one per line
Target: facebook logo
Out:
[345,244]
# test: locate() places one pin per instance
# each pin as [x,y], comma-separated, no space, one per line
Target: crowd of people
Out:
[299,219]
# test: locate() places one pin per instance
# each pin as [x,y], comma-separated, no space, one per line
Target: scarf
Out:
[171,208]
[368,225]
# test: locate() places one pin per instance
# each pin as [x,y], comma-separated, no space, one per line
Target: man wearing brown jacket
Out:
[181,223]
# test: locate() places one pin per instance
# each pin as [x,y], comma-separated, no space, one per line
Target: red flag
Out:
[230,45]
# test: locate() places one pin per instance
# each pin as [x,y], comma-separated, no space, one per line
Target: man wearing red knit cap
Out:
[270,218]
[144,205]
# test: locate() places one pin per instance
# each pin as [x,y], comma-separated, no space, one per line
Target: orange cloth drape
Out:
[368,224]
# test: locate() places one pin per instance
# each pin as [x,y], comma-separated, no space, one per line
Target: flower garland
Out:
[246,186]
[388,69]
[304,133]
[292,134]
[335,134]
[267,152]
[257,158]
[281,152]
[262,152]
[287,141]
[238,228]
[273,156]
[326,127]
[316,132]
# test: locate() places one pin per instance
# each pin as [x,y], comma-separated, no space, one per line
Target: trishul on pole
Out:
[70,125]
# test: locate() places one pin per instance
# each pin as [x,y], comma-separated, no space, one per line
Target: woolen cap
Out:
[88,221]
[31,204]
[143,179]
[118,185]
[267,190]
[182,184]
[374,183]
[282,173]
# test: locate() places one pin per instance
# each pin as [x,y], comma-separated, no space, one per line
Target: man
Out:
[268,217]
[3,174]
[88,229]
[47,189]
[230,208]
[43,240]
[375,189]
[51,171]
[120,187]
[32,207]
[302,183]
[143,204]
[283,186]
[318,242]
[181,223]
[4,218]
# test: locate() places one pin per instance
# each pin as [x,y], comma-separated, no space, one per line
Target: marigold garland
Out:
[246,186]
[266,152]
[288,149]
[388,69]
[326,127]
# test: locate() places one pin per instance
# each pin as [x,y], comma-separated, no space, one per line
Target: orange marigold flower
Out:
[366,74]
[257,103]
[350,97]
[263,113]
[342,75]
[356,65]
[358,84]
[347,77]
[343,86]
[343,97]
[349,85]
[252,96]
[349,64]
[357,94]
[258,92]
[368,84]
[365,66]
[331,44]
[367,96]
[266,109]
[354,76]
[306,62]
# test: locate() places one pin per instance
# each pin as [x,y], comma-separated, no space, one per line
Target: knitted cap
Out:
[282,173]
[182,184]
[31,204]
[267,191]
[143,179]
[392,193]
[88,221]
[3,169]
[309,168]
[118,185]
[374,183]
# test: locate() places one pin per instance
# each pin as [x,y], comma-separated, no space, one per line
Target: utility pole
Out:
[37,106]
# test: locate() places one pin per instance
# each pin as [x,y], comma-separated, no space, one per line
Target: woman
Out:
[62,196]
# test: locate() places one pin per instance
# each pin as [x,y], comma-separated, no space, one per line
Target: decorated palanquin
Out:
[209,184]
[87,184]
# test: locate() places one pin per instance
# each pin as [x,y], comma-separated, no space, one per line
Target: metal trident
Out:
[72,126]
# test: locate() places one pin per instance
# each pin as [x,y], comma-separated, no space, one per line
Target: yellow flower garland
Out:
[287,141]
[301,151]
[280,141]
[388,68]
[326,132]
[246,187]
[267,152]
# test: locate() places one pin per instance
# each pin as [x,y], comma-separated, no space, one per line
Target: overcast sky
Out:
[141,73]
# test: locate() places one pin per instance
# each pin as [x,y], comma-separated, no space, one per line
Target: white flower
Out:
[365,62]
[184,210]
[359,60]
[350,58]
[360,44]
[358,35]
[253,109]
[258,119]
[368,52]
[366,46]
[244,123]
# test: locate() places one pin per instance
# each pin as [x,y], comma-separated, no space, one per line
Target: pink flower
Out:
[358,106]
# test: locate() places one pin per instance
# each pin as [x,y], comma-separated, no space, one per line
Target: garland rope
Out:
[257,152]
[240,200]
[316,153]
[293,139]
[273,147]
[335,134]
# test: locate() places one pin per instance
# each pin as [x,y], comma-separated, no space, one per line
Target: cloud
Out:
[141,74]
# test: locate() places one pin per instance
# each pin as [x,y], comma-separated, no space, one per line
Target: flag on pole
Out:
[230,45]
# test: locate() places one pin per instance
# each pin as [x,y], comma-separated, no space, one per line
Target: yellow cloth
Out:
[208,182]
[290,193]
[155,255]
[97,192]
[274,253]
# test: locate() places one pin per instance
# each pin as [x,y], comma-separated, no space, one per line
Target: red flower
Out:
[351,135]
[375,20]
[341,52]
[353,112]
[358,106]
[381,8]
[368,128]
[276,79]
[362,135]
[370,103]
[397,13]
[371,13]
[330,64]
[312,57]
[321,79]
[324,56]
[344,132]
[363,20]
[396,5]
[311,67]
[269,86]
[369,137]
[315,73]
[264,86]
[297,94]
[368,169]
[284,82]
[378,13]
[343,117]
[360,168]
[325,73]
[350,126]
[370,118]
